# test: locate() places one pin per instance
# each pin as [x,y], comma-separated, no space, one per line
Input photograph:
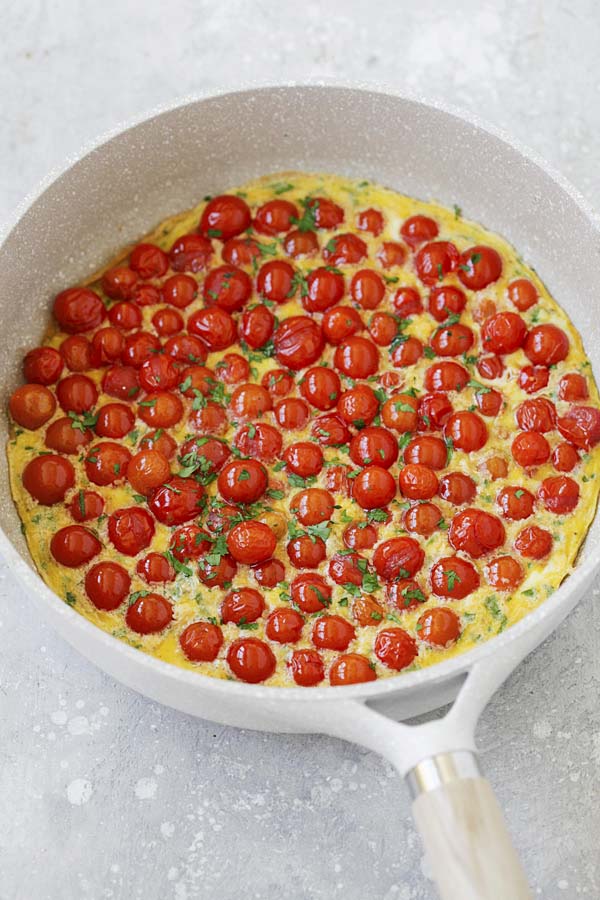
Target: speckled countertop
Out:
[107,795]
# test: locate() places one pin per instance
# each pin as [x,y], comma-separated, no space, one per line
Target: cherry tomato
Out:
[571,386]
[383,328]
[439,627]
[515,503]
[217,574]
[533,378]
[241,606]
[201,641]
[131,530]
[275,281]
[155,569]
[312,506]
[351,668]
[332,633]
[106,463]
[48,478]
[445,301]
[336,479]
[490,367]
[251,542]
[360,536]
[256,326]
[251,660]
[190,253]
[533,542]
[325,288]
[546,345]
[77,353]
[559,494]
[241,251]
[357,357]
[330,431]
[269,573]
[278,382]
[358,406]
[341,322]
[125,316]
[227,287]
[370,220]
[274,217]
[347,569]
[457,488]
[422,518]
[242,481]
[298,244]
[291,413]
[454,577]
[452,340]
[426,450]
[121,382]
[479,266]
[86,505]
[407,353]
[211,419]
[139,347]
[76,393]
[224,217]
[306,552]
[391,254]
[400,412]
[177,501]
[146,295]
[298,342]
[107,584]
[367,289]
[395,648]
[536,415]
[31,405]
[148,260]
[564,457]
[78,309]
[310,592]
[476,532]
[530,448]
[374,445]
[407,302]
[160,409]
[307,667]
[158,373]
[74,546]
[435,260]
[484,309]
[504,573]
[304,459]
[418,482]
[580,426]
[522,294]
[215,328]
[115,420]
[250,401]
[503,333]
[446,376]
[149,614]
[44,365]
[119,282]
[259,441]
[374,487]
[321,386]
[345,249]
[399,557]
[467,431]
[284,626]
[190,542]
[367,611]
[147,470]
[418,229]
[434,411]
[159,440]
[326,213]
[179,290]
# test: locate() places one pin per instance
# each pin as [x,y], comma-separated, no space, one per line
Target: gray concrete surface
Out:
[106,795]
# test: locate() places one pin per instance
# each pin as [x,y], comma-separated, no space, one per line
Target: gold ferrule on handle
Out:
[432,773]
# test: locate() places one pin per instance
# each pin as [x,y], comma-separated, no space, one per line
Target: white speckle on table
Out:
[79,725]
[79,791]
[167,829]
[145,789]
[542,730]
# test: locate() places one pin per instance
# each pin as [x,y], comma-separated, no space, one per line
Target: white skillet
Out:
[128,183]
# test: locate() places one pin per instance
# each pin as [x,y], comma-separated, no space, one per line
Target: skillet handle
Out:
[464,831]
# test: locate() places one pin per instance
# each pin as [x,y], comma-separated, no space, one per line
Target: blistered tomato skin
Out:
[310,433]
